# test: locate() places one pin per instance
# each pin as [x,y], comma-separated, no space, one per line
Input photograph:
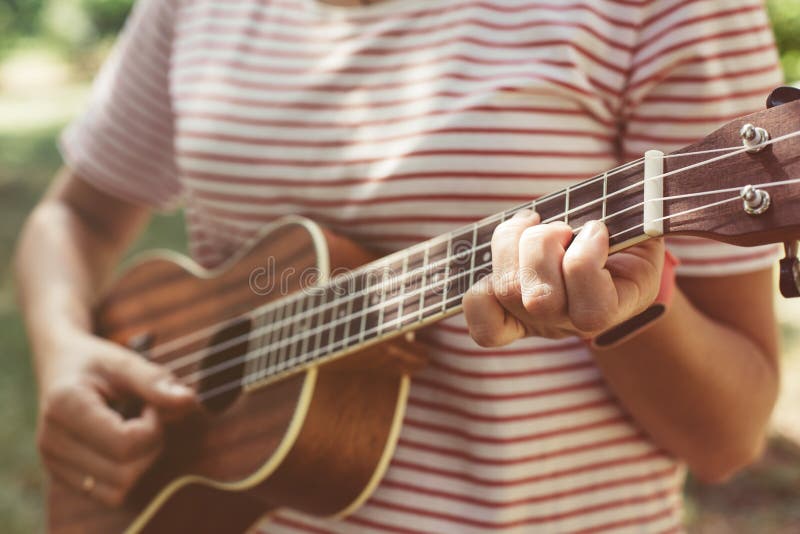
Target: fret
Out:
[483,250]
[392,306]
[274,337]
[550,208]
[372,299]
[318,322]
[309,324]
[474,253]
[347,320]
[356,306]
[413,282]
[605,196]
[432,296]
[386,282]
[446,281]
[340,314]
[625,209]
[460,263]
[284,336]
[327,317]
[566,205]
[423,285]
[295,323]
[362,327]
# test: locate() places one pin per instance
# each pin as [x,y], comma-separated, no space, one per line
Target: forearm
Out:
[700,387]
[63,257]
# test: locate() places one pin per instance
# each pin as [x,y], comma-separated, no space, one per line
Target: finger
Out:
[76,479]
[593,302]
[85,414]
[505,257]
[152,383]
[490,324]
[637,275]
[60,445]
[541,253]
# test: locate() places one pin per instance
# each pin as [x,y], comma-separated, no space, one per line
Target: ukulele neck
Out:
[425,283]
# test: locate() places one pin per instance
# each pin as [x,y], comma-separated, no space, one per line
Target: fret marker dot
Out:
[487,256]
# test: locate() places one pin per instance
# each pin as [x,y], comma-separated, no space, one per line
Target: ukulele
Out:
[301,347]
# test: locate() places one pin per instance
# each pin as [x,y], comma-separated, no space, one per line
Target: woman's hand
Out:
[544,283]
[82,440]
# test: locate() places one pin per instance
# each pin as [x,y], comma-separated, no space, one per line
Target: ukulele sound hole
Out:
[223,367]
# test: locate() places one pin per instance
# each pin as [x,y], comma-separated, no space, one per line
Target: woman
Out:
[390,123]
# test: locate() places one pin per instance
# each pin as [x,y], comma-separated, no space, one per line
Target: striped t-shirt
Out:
[394,122]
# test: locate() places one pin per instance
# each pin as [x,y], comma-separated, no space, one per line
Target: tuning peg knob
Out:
[783,95]
[790,272]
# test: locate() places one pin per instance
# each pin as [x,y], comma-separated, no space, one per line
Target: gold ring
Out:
[88,483]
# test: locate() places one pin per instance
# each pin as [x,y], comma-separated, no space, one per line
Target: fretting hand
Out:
[82,440]
[544,283]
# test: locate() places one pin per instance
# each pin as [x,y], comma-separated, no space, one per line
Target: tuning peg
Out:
[790,272]
[783,95]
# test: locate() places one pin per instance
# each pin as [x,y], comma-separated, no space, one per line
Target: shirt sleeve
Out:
[696,66]
[124,143]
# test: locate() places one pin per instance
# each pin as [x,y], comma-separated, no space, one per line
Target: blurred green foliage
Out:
[785,15]
[107,16]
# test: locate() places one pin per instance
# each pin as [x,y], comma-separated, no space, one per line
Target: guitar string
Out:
[274,327]
[730,152]
[191,357]
[167,347]
[164,348]
[161,349]
[331,348]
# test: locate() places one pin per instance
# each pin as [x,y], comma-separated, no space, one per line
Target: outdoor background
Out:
[49,50]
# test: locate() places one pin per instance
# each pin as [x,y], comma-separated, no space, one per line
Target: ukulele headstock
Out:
[741,184]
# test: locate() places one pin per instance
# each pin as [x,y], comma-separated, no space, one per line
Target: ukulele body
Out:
[317,441]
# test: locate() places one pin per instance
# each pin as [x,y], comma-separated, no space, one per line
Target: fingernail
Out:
[170,387]
[590,230]
[523,214]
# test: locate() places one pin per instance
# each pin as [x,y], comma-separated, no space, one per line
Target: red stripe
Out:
[571,344]
[727,259]
[259,140]
[650,39]
[740,33]
[587,468]
[306,123]
[639,520]
[463,152]
[468,436]
[772,68]
[482,460]
[350,181]
[519,373]
[704,99]
[460,392]
[437,408]
[700,59]
[460,519]
[271,36]
[425,14]
[244,200]
[590,488]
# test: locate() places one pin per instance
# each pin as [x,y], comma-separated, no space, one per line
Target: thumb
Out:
[154,384]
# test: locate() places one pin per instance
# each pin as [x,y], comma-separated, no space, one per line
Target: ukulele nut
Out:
[754,201]
[753,137]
